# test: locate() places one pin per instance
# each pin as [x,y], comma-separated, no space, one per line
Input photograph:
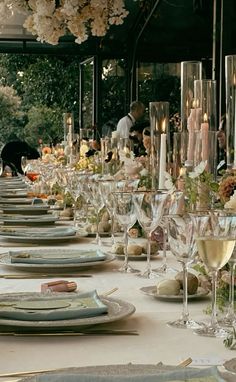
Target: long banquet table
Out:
[156,341]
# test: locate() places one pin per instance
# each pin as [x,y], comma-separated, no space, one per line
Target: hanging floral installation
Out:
[49,19]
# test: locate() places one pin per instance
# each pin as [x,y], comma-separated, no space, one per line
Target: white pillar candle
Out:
[190,126]
[204,138]
[162,162]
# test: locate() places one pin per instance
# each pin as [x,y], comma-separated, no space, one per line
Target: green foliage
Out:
[43,123]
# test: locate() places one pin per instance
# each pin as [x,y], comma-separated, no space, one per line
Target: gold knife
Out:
[91,332]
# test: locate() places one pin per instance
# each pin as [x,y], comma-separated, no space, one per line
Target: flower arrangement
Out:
[51,19]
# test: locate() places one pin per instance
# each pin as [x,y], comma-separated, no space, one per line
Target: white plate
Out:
[117,310]
[5,260]
[28,220]
[141,257]
[25,209]
[152,291]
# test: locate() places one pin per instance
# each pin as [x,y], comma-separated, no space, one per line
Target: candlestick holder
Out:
[160,140]
[230,78]
[205,100]
[190,71]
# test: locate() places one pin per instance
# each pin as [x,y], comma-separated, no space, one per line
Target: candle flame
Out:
[234,79]
[69,121]
[182,171]
[194,104]
[163,126]
[205,117]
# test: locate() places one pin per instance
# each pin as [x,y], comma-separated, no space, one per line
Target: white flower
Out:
[50,21]
[231,204]
[198,170]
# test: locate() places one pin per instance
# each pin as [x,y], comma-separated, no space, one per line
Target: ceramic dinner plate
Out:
[48,307]
[65,265]
[38,235]
[15,201]
[28,220]
[25,209]
[16,193]
[56,257]
[115,310]
[152,291]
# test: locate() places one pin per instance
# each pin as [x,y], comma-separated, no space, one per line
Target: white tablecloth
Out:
[156,341]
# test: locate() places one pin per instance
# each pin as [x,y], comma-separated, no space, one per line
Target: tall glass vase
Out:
[160,140]
[230,77]
[190,71]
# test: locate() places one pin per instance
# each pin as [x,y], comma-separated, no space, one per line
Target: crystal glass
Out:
[230,88]
[125,212]
[149,207]
[175,205]
[229,319]
[1,166]
[190,71]
[106,188]
[205,100]
[182,245]
[215,238]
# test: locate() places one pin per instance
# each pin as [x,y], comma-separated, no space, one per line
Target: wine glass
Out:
[24,163]
[126,216]
[1,166]
[174,205]
[215,238]
[183,246]
[149,207]
[106,188]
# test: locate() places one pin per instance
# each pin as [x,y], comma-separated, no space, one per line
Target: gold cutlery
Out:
[186,362]
[84,332]
[32,372]
[109,292]
[43,275]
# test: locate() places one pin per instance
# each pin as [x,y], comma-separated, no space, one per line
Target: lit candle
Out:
[181,181]
[204,138]
[162,162]
[190,127]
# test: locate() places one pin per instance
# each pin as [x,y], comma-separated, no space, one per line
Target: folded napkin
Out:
[50,307]
[66,257]
[177,375]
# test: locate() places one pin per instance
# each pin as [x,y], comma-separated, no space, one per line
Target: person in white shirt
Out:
[137,109]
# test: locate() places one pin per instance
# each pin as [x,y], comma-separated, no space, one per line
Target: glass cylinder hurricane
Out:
[205,100]
[190,71]
[160,139]
[230,78]
[68,122]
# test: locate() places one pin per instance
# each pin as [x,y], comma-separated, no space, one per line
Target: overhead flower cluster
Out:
[50,19]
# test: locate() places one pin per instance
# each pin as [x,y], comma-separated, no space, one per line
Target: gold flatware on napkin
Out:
[186,362]
[43,275]
[84,332]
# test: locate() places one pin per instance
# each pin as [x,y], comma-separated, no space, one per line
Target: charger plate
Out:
[152,291]
[116,310]
[5,260]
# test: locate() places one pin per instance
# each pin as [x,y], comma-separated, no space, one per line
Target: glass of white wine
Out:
[215,233]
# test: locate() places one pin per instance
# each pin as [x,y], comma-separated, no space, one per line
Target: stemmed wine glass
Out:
[149,207]
[106,188]
[126,216]
[215,238]
[174,205]
[183,246]
[24,163]
[1,166]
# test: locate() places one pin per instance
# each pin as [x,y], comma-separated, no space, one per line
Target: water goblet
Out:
[1,166]
[149,207]
[215,238]
[174,205]
[126,216]
[183,246]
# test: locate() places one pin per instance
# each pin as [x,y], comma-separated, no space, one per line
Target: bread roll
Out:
[168,288]
[134,250]
[118,249]
[192,282]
